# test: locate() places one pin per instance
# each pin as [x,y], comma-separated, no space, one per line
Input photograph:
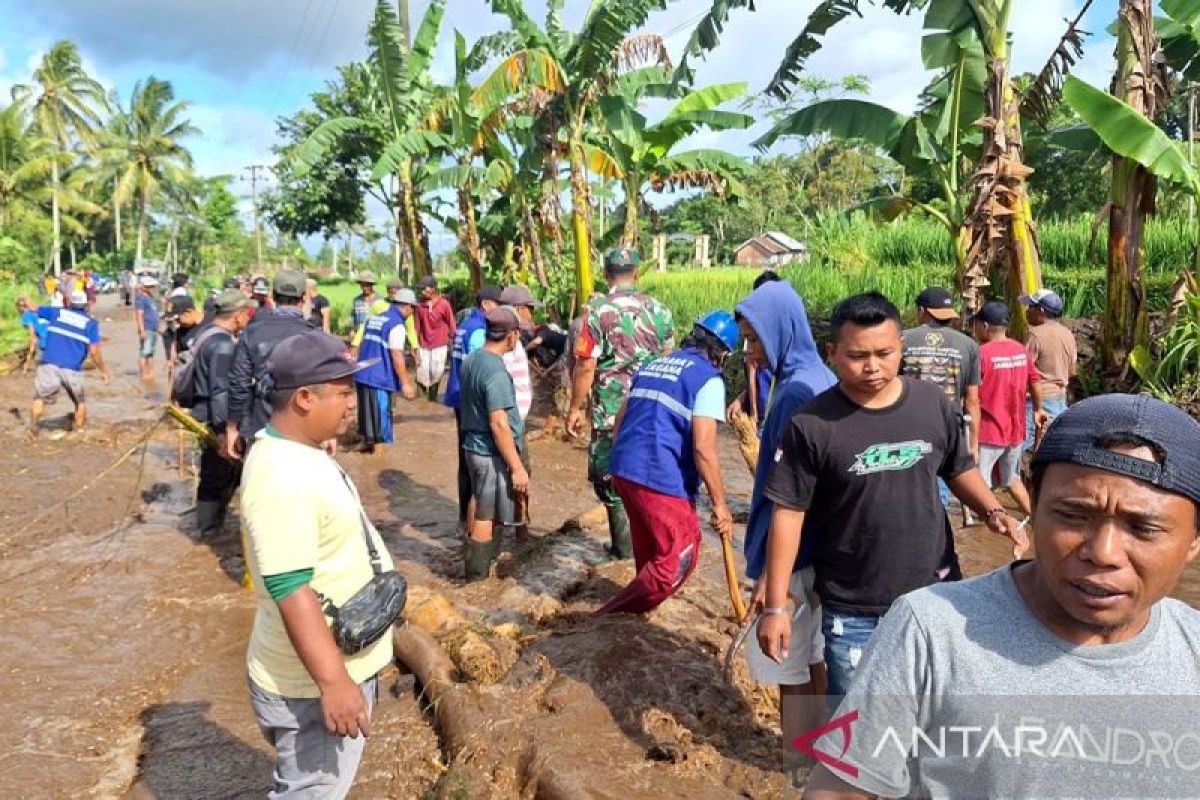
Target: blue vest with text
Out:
[381,375]
[475,321]
[654,444]
[70,333]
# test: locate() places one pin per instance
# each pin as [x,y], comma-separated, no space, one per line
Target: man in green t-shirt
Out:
[493,438]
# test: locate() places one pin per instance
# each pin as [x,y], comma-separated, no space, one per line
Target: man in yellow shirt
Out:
[306,541]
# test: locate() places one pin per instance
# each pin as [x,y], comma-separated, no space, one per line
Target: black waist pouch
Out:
[364,618]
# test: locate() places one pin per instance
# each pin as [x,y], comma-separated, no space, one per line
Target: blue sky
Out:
[242,63]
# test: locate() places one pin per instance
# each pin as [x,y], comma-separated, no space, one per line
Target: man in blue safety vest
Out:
[383,346]
[665,444]
[468,337]
[71,336]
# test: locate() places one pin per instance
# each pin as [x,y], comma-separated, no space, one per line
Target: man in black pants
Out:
[249,387]
[215,347]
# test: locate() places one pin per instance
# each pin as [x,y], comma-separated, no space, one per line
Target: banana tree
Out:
[988,215]
[573,71]
[645,153]
[405,97]
[932,143]
[1141,83]
[1180,34]
[1142,155]
[1134,139]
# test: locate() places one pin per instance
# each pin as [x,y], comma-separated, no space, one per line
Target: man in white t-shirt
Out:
[306,535]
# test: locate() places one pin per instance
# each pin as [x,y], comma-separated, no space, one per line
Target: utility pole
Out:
[254,168]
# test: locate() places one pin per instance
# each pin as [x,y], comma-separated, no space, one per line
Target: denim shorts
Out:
[846,636]
[1053,407]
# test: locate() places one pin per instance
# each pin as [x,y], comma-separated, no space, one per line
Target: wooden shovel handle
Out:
[731,579]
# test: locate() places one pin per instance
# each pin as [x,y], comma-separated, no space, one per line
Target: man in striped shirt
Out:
[517,364]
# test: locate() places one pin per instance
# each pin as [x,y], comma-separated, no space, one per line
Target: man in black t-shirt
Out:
[316,306]
[857,469]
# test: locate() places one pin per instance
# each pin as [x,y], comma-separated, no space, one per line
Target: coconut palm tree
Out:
[65,103]
[25,165]
[146,148]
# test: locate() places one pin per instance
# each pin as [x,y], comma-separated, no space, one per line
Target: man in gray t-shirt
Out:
[1068,676]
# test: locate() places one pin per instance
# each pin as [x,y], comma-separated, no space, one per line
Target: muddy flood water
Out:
[123,638]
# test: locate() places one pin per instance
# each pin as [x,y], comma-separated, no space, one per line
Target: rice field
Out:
[852,254]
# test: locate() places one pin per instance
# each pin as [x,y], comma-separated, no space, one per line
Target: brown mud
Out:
[124,638]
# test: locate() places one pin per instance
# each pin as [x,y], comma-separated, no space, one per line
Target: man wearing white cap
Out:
[145,309]
[71,336]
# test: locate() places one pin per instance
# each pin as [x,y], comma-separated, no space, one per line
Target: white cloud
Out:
[230,38]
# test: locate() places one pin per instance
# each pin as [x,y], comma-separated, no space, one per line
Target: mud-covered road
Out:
[123,639]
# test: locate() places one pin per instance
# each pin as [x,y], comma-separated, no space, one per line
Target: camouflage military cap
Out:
[621,259]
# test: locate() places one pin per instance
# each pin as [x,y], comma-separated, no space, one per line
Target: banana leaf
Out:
[1130,134]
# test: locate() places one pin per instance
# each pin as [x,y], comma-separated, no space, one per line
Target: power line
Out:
[292,53]
[324,33]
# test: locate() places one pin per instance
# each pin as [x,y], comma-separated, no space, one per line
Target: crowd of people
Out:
[864,448]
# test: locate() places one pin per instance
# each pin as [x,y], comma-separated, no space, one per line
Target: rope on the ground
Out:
[140,444]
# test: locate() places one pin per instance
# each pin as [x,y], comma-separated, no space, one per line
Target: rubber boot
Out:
[479,558]
[210,516]
[618,530]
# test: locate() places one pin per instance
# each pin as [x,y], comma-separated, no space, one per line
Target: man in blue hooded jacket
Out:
[774,325]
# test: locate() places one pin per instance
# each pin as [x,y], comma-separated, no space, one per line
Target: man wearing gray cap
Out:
[522,301]
[309,542]
[213,351]
[249,391]
[1078,641]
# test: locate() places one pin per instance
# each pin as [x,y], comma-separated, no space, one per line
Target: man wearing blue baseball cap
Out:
[1052,347]
[664,445]
[1080,637]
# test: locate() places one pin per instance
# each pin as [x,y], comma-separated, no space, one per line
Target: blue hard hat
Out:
[722,325]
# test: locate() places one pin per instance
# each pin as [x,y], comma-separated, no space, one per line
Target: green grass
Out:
[856,242]
[690,294]
[12,337]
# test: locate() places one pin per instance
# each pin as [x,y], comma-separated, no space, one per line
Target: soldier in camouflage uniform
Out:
[623,331]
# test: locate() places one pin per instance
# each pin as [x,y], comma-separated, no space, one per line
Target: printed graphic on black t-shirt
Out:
[944,357]
[867,479]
